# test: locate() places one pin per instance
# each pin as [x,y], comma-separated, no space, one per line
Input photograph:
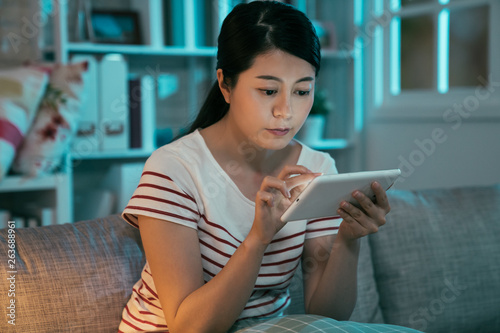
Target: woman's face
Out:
[271,100]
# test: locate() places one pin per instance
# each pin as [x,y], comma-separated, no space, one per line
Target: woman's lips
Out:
[278,131]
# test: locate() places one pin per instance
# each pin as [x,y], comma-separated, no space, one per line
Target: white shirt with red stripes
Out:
[183,183]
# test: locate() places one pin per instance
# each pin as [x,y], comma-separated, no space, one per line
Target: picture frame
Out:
[115,27]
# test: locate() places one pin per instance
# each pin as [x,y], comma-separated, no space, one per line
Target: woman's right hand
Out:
[275,195]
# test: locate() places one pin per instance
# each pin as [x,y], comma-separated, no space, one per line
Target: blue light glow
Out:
[358,85]
[395,5]
[395,56]
[189,24]
[358,12]
[378,61]
[224,9]
[443,51]
[378,7]
[301,5]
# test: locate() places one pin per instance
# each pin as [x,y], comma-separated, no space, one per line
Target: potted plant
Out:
[313,128]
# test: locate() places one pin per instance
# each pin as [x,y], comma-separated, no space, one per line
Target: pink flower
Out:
[59,121]
[49,132]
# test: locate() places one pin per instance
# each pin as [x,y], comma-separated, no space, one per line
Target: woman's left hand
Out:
[359,222]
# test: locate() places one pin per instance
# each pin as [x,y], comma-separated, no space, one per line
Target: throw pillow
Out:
[312,324]
[55,123]
[21,90]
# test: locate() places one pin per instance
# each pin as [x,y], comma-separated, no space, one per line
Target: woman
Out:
[209,204]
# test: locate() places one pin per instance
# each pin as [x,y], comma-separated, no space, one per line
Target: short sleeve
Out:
[164,192]
[327,225]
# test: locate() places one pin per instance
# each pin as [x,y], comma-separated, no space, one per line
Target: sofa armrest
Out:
[72,277]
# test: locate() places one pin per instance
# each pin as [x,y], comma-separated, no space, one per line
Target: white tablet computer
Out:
[323,195]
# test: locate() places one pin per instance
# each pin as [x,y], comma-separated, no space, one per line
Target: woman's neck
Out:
[232,150]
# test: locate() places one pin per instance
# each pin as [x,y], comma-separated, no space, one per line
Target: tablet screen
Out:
[323,195]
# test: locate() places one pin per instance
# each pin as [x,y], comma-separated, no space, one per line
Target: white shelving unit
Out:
[188,57]
[48,191]
[59,183]
[142,50]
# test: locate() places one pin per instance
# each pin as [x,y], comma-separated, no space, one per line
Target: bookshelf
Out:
[29,197]
[178,50]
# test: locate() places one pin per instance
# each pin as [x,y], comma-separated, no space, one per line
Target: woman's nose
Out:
[283,108]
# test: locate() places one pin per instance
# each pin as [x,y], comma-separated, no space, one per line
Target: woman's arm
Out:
[190,305]
[330,263]
[330,270]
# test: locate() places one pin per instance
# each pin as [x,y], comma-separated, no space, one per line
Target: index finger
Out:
[290,170]
[299,180]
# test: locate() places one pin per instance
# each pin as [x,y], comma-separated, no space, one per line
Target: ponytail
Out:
[214,109]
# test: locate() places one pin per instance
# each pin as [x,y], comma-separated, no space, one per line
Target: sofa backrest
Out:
[72,277]
[436,262]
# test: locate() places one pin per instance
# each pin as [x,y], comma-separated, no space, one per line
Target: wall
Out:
[26,26]
[19,31]
[435,154]
[437,140]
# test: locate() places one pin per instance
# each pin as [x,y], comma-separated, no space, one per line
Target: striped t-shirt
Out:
[183,183]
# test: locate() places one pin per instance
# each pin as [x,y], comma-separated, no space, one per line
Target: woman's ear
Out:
[224,88]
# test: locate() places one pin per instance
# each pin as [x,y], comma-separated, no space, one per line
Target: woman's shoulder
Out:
[183,153]
[180,148]
[315,160]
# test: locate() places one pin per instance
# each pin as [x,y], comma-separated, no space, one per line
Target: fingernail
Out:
[288,194]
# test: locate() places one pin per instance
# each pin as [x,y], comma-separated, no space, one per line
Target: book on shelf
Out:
[142,112]
[93,203]
[34,216]
[32,223]
[113,100]
[148,86]
[134,87]
[86,140]
[123,179]
[19,221]
[47,216]
[4,218]
[119,112]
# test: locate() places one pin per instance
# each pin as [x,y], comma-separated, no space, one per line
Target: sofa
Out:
[435,267]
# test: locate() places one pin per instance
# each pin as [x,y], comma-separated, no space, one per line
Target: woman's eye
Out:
[303,92]
[268,92]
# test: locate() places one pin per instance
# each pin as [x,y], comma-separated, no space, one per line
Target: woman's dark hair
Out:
[250,30]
